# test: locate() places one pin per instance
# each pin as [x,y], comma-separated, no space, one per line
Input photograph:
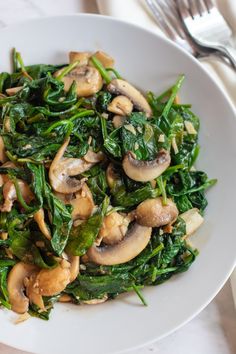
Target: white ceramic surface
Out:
[152,63]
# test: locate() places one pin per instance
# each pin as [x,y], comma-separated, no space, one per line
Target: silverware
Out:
[166,15]
[207,27]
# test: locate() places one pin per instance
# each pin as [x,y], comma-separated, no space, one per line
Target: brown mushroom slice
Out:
[122,87]
[114,228]
[135,240]
[9,194]
[193,220]
[113,179]
[88,80]
[82,57]
[95,301]
[62,168]
[74,267]
[49,282]
[106,60]
[3,156]
[120,105]
[31,292]
[83,204]
[39,218]
[153,213]
[13,90]
[118,121]
[4,177]
[15,286]
[144,171]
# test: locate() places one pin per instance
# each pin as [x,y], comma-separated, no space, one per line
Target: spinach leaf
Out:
[82,237]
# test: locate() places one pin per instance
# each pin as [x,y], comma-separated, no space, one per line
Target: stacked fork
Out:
[196,25]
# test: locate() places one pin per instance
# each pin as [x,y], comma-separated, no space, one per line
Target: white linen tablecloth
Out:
[213,330]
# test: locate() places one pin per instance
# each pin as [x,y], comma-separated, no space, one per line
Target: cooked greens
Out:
[82,153]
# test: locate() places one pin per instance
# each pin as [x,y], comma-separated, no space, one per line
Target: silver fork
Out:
[166,15]
[207,27]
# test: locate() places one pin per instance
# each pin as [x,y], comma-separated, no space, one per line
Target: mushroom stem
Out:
[193,220]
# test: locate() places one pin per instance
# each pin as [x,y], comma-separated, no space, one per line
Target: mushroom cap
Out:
[153,213]
[49,282]
[83,204]
[83,57]
[114,228]
[88,80]
[144,171]
[31,292]
[120,105]
[122,87]
[135,240]
[15,286]
[106,60]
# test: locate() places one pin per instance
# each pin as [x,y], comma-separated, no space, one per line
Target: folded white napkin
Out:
[136,11]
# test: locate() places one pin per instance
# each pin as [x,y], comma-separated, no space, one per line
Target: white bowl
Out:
[152,63]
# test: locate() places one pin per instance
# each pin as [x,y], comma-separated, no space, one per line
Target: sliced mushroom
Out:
[88,80]
[114,228]
[113,179]
[9,194]
[74,267]
[83,204]
[4,177]
[106,60]
[118,121]
[62,168]
[122,87]
[49,282]
[33,296]
[95,301]
[135,240]
[65,298]
[13,90]
[3,156]
[193,220]
[83,57]
[15,286]
[144,171]
[153,213]
[39,218]
[120,105]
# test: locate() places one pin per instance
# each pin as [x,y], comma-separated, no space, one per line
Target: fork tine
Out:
[171,14]
[183,10]
[209,4]
[159,18]
[193,8]
[201,7]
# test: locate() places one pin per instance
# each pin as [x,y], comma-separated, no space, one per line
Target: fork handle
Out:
[229,52]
